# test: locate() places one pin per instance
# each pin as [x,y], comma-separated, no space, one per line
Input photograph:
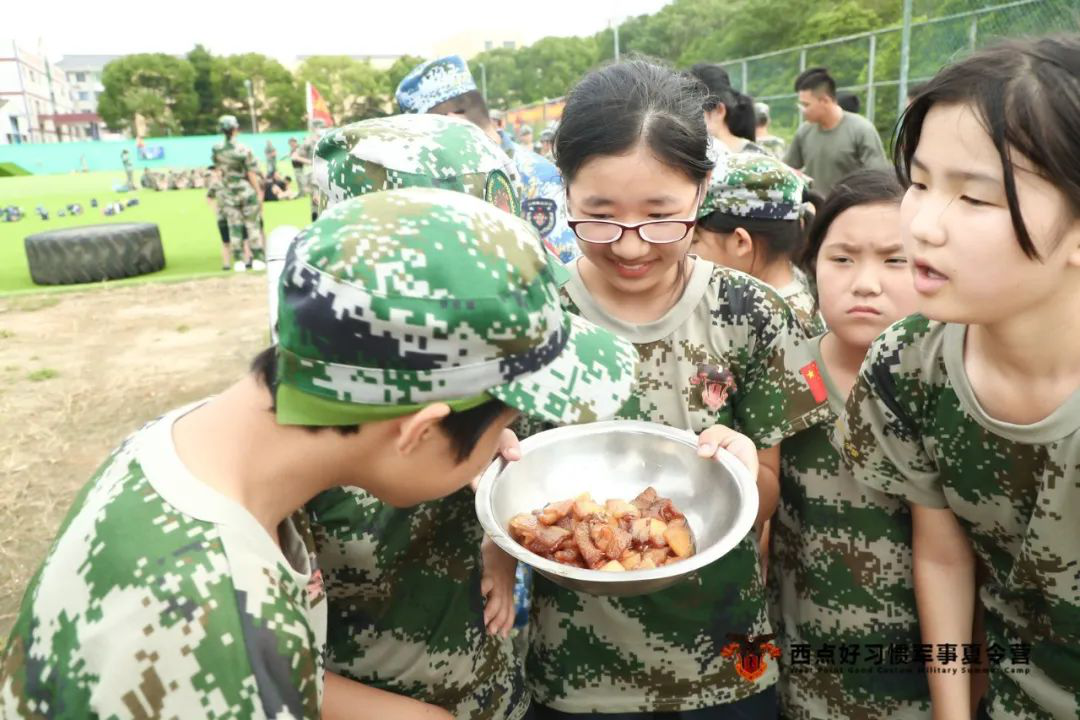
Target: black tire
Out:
[93,253]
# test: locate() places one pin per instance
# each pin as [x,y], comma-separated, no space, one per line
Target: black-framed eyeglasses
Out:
[656,232]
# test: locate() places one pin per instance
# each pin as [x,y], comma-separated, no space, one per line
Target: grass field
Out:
[189,231]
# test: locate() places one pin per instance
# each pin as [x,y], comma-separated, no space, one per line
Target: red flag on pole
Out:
[317,108]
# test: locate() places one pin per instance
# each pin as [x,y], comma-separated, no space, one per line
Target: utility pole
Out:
[483,81]
[251,104]
[905,57]
[616,30]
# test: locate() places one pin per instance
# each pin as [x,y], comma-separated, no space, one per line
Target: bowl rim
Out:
[744,521]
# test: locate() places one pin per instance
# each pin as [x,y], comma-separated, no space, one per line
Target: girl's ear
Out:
[740,243]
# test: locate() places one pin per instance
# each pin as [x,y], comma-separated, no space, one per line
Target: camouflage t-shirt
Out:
[665,651]
[840,586]
[162,598]
[914,428]
[405,609]
[801,301]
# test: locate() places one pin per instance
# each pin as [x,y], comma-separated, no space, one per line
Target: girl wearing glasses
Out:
[721,353]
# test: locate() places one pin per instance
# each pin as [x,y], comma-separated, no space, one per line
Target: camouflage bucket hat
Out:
[753,186]
[413,151]
[402,298]
[227,122]
[433,82]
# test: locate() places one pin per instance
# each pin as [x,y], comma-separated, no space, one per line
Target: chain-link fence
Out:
[869,65]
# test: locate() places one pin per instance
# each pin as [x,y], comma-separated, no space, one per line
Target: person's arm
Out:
[347,699]
[793,156]
[768,484]
[871,151]
[944,569]
[497,588]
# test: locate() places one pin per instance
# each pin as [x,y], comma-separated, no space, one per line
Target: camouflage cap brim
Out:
[404,298]
[590,380]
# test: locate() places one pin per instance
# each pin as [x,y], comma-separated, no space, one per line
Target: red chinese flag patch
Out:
[813,378]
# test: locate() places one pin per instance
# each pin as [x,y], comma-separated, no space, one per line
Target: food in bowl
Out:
[646,532]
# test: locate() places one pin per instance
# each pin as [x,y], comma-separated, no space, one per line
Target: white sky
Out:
[287,29]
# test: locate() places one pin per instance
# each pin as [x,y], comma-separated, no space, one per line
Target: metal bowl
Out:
[619,459]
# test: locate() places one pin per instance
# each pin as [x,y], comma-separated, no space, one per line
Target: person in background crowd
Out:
[770,143]
[444,86]
[276,188]
[729,114]
[242,195]
[300,166]
[215,198]
[271,158]
[750,220]
[125,158]
[547,141]
[525,136]
[848,101]
[832,143]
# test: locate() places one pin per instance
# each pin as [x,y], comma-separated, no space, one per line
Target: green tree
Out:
[505,86]
[353,90]
[397,72]
[278,95]
[158,88]
[207,89]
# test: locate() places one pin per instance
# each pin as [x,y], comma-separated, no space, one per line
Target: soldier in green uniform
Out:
[720,353]
[750,221]
[125,158]
[840,582]
[378,560]
[271,158]
[242,195]
[970,411]
[215,190]
[183,582]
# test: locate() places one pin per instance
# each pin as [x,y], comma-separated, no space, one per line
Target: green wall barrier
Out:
[178,152]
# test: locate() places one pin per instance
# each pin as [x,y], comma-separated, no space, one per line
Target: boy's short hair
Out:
[817,80]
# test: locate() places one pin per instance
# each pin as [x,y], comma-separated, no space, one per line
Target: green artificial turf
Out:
[189,230]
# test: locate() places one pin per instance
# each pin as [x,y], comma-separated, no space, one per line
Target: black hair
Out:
[471,105]
[464,429]
[713,77]
[816,80]
[620,105]
[848,101]
[776,238]
[1026,94]
[740,118]
[739,114]
[862,187]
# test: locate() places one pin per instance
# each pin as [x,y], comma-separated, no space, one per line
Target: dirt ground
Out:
[80,371]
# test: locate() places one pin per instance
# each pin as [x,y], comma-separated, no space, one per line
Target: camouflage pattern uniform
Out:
[803,304]
[664,651]
[392,300]
[914,428]
[406,613]
[761,188]
[543,200]
[242,205]
[840,577]
[162,598]
[380,561]
[772,145]
[125,158]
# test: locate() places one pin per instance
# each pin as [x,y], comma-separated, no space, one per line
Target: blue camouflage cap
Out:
[433,82]
[402,298]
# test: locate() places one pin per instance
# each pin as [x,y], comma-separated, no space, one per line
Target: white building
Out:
[38,105]
[84,76]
